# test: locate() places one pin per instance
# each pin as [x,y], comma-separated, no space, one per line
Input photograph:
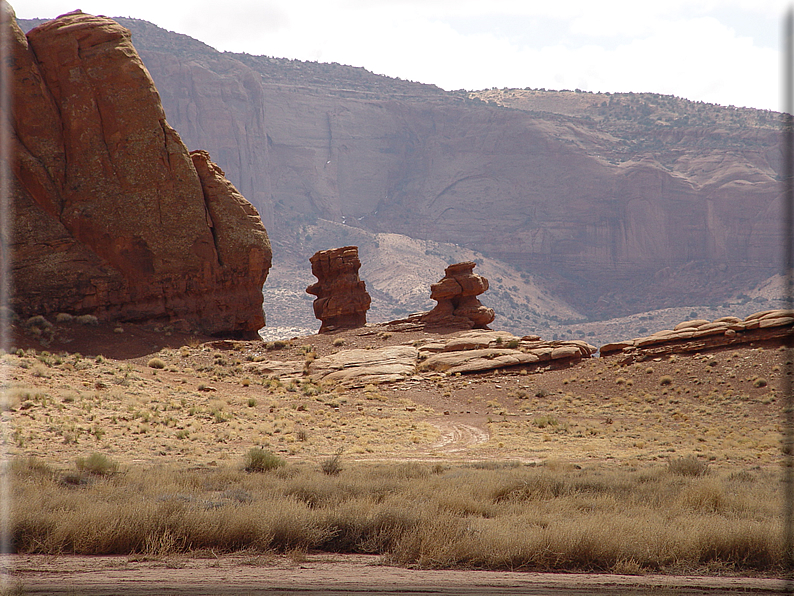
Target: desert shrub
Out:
[687,466]
[759,382]
[544,421]
[31,468]
[332,466]
[90,320]
[156,363]
[259,460]
[38,322]
[97,464]
[666,380]
[339,341]
[512,344]
[63,317]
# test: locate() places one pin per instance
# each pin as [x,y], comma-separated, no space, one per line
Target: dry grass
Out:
[552,517]
[650,474]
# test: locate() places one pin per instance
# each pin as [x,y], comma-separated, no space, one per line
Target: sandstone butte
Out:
[342,299]
[112,215]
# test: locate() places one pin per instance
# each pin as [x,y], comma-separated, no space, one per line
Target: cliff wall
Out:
[616,219]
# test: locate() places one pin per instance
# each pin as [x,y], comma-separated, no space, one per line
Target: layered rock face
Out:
[456,295]
[700,335]
[342,299]
[112,215]
[615,219]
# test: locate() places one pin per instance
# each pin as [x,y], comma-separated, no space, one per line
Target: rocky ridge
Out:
[702,335]
[475,351]
[113,216]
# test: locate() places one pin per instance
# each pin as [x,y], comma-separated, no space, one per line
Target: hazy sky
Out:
[719,51]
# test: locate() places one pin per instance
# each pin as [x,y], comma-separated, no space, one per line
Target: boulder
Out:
[342,299]
[467,361]
[472,340]
[280,368]
[111,217]
[456,295]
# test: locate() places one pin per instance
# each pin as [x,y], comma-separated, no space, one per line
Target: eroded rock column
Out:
[342,299]
[456,295]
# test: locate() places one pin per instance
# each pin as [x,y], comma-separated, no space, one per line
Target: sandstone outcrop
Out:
[456,295]
[112,216]
[468,352]
[478,351]
[701,335]
[342,299]
[361,367]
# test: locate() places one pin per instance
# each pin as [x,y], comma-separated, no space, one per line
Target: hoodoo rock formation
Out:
[112,215]
[342,299]
[456,295]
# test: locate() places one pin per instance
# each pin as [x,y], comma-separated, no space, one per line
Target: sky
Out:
[718,51]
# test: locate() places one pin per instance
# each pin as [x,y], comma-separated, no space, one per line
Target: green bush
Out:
[97,464]
[259,460]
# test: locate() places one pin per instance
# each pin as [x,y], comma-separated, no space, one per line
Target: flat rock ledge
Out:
[700,335]
[469,352]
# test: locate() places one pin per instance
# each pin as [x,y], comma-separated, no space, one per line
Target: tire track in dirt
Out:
[457,436]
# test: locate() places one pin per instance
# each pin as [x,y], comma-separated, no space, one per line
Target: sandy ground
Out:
[331,575]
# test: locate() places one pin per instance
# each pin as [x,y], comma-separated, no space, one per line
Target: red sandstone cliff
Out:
[112,215]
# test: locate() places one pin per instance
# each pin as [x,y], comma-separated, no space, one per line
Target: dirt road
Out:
[456,436]
[331,575]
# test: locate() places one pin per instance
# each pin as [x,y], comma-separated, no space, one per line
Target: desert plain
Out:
[131,447]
